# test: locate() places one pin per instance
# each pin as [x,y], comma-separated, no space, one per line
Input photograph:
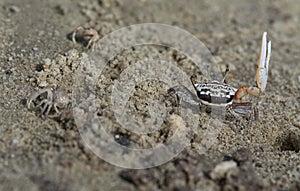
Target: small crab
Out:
[220,94]
[49,99]
[88,36]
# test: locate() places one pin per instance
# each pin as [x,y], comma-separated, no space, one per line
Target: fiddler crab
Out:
[50,99]
[88,36]
[220,94]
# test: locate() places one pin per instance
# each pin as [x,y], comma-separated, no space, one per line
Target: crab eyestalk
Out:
[261,72]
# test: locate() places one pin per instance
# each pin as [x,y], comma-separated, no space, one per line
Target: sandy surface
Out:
[44,153]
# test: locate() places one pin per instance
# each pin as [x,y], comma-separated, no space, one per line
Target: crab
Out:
[221,94]
[88,36]
[49,99]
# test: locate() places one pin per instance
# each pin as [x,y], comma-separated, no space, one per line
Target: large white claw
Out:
[263,63]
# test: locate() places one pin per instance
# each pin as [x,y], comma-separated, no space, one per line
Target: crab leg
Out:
[184,95]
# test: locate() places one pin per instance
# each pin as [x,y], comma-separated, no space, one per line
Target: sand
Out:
[48,153]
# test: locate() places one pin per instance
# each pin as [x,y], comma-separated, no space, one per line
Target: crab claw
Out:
[261,71]
[263,63]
